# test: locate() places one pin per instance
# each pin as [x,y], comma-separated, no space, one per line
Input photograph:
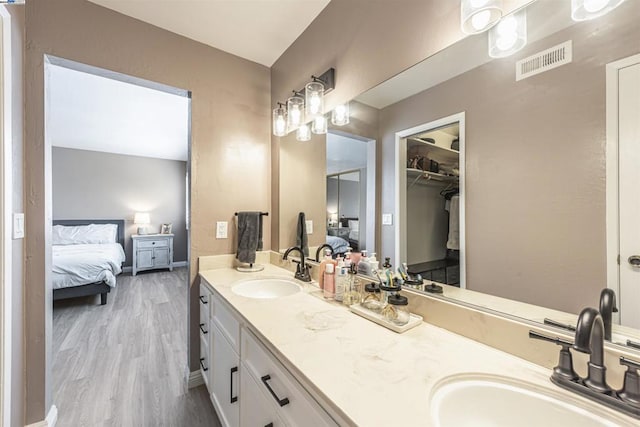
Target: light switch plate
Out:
[221,229]
[309,225]
[18,226]
[387,219]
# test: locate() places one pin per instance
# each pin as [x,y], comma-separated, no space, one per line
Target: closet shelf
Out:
[418,174]
[437,147]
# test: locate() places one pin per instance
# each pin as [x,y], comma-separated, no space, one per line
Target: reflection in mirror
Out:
[545,219]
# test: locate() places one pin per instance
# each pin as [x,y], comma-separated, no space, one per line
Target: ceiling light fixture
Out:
[340,115]
[584,10]
[295,112]
[477,16]
[314,99]
[509,35]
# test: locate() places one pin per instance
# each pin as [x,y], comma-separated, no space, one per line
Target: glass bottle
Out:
[397,310]
[372,298]
[329,281]
[341,280]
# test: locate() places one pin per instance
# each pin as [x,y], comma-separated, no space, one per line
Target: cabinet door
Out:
[144,258]
[255,408]
[225,379]
[161,257]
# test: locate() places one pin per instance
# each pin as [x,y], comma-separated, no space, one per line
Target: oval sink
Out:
[485,400]
[266,288]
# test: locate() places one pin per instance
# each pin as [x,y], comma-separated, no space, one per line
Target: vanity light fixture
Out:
[583,10]
[319,125]
[295,112]
[509,35]
[303,133]
[479,15]
[340,115]
[280,120]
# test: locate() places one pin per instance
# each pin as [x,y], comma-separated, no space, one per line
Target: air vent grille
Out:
[544,61]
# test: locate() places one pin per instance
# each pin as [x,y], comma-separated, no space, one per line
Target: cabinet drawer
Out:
[205,360]
[153,244]
[205,303]
[255,408]
[224,319]
[295,406]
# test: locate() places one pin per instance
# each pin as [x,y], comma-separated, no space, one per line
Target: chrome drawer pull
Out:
[234,399]
[202,329]
[202,300]
[281,402]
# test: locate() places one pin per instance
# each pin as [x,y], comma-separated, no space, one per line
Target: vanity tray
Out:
[414,319]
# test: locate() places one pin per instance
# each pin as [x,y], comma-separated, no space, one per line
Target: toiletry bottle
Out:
[373,264]
[355,258]
[363,265]
[329,281]
[326,259]
[347,258]
[341,280]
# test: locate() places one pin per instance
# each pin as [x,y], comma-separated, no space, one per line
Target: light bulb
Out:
[340,115]
[478,3]
[303,133]
[279,122]
[319,125]
[506,42]
[314,98]
[314,104]
[509,35]
[281,125]
[295,115]
[480,20]
[507,26]
[592,6]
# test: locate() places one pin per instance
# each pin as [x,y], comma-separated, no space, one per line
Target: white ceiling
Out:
[89,112]
[344,154]
[258,30]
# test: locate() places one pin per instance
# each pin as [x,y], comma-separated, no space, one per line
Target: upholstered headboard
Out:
[118,222]
[344,221]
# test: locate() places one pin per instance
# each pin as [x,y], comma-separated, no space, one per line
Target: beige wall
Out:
[230,139]
[17,247]
[367,41]
[535,173]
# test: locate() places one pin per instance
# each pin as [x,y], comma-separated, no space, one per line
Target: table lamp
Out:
[142,218]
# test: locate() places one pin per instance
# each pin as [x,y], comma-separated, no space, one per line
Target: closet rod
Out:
[261,214]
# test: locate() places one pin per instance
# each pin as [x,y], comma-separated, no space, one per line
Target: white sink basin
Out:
[266,288]
[475,400]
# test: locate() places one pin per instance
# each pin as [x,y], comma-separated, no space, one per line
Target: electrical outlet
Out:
[387,219]
[309,225]
[221,229]
[18,226]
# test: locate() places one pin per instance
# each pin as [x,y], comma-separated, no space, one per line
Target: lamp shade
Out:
[509,36]
[142,218]
[477,16]
[314,100]
[583,10]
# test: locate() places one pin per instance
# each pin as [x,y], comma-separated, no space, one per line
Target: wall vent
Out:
[544,61]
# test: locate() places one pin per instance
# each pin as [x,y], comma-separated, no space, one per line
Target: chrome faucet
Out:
[607,308]
[324,245]
[590,340]
[302,270]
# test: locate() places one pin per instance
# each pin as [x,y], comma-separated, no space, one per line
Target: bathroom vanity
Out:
[298,359]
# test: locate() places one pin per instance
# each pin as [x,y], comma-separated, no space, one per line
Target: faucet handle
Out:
[564,369]
[630,392]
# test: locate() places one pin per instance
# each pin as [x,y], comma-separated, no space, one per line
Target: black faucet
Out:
[607,308]
[302,270]
[590,340]
[326,246]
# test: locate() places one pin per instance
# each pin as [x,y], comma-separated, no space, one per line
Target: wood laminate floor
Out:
[124,363]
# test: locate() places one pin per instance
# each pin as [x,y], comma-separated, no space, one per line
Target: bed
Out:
[345,235]
[87,257]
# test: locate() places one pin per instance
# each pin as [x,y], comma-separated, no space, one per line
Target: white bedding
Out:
[76,265]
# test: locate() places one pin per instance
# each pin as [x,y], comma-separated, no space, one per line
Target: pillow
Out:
[84,234]
[339,232]
[353,229]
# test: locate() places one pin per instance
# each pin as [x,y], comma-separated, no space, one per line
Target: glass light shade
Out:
[340,115]
[509,36]
[477,16]
[303,133]
[295,112]
[319,125]
[141,218]
[583,10]
[314,99]
[279,121]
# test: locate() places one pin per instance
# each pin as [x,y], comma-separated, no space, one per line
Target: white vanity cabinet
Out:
[247,384]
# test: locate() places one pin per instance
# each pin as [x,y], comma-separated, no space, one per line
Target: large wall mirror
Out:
[547,177]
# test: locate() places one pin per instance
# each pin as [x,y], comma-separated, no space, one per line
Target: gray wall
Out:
[427,224]
[17,248]
[95,185]
[535,166]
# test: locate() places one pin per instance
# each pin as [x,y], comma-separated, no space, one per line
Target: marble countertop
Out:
[370,375]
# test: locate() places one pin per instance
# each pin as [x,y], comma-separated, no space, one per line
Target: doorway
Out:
[623,181]
[430,204]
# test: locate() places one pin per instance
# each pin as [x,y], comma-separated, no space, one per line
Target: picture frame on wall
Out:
[166,228]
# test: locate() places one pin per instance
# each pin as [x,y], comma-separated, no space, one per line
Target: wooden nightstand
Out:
[152,251]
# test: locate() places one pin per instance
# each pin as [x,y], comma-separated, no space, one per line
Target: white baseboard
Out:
[49,421]
[176,264]
[195,379]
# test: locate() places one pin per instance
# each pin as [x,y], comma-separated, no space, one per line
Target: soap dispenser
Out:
[363,266]
[326,260]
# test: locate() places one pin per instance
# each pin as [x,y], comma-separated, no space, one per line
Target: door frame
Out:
[6,221]
[612,177]
[401,187]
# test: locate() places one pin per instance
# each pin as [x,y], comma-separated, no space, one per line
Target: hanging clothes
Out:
[453,242]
